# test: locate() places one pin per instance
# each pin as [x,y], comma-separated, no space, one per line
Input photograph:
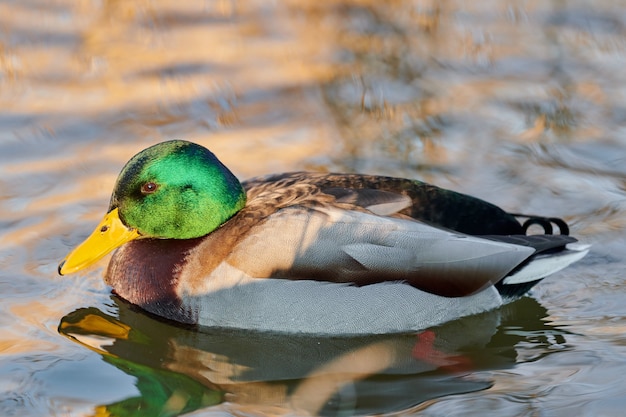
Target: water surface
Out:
[520,103]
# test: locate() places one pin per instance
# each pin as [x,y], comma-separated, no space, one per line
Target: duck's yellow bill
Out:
[109,234]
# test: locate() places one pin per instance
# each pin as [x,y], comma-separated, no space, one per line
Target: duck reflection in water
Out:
[179,370]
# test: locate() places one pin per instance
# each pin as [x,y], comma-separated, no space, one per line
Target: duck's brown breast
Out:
[145,272]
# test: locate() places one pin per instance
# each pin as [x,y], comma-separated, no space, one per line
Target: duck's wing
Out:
[360,248]
[362,230]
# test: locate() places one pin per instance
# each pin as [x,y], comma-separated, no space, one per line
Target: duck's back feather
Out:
[382,195]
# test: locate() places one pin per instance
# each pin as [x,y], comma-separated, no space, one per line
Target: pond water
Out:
[521,103]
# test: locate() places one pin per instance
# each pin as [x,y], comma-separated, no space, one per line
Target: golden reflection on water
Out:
[520,103]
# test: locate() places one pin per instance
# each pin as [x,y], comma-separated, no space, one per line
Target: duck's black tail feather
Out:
[552,253]
[515,291]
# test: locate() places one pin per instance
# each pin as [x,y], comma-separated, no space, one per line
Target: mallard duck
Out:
[309,252]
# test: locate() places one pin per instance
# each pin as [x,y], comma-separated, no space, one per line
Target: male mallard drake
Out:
[309,252]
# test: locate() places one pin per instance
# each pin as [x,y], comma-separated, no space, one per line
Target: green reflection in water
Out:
[162,392]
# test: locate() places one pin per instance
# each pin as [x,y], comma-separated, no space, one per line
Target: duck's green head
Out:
[172,190]
[176,190]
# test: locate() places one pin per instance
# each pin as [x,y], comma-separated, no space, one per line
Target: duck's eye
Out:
[149,188]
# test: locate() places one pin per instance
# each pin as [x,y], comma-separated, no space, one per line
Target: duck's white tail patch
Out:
[541,266]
